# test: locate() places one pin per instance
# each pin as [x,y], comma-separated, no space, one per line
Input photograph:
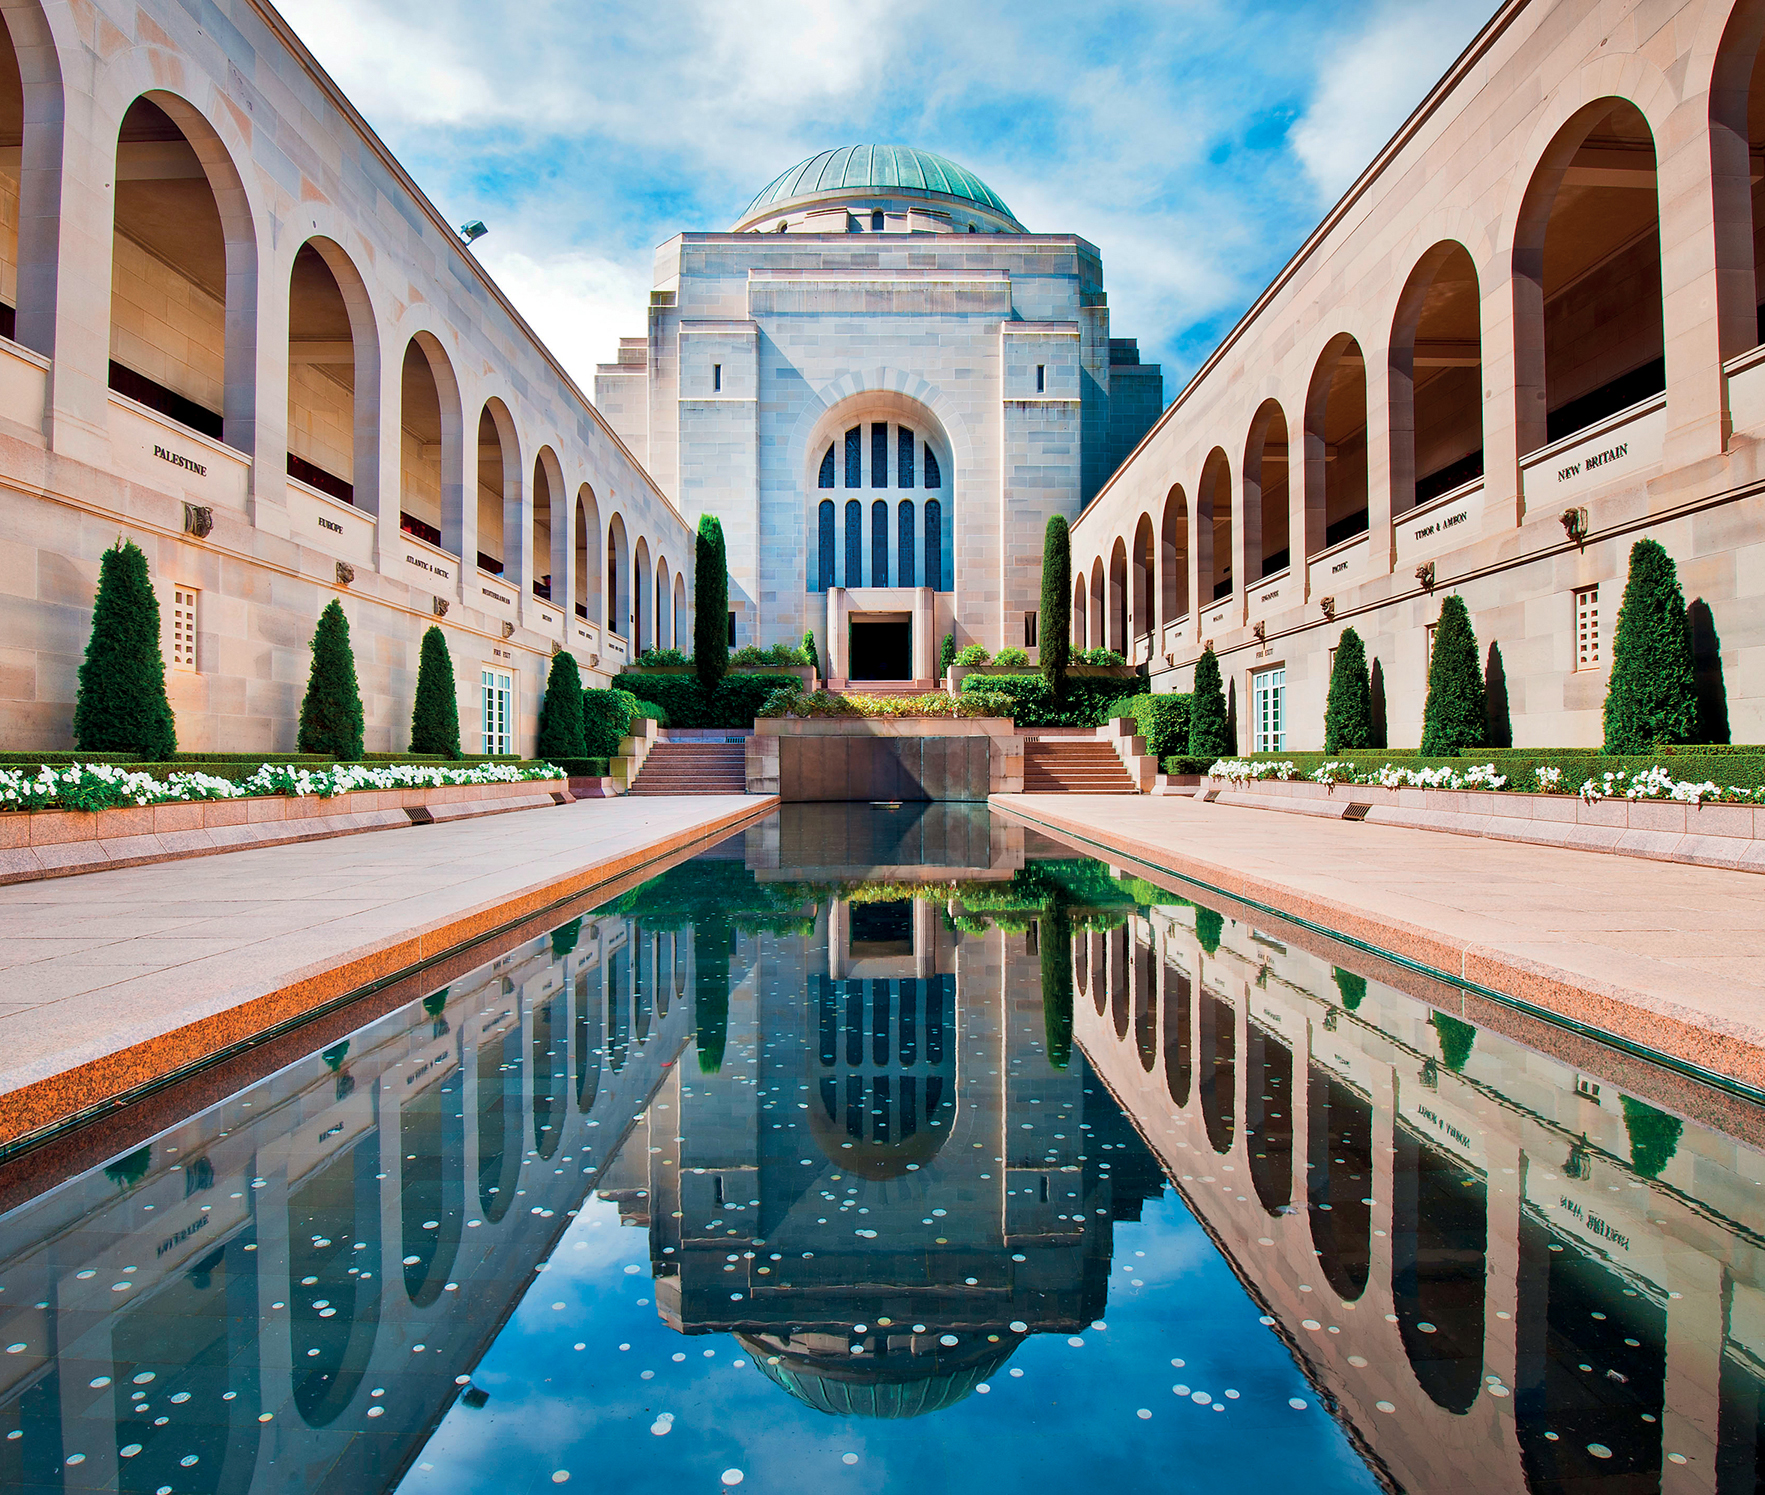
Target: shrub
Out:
[1456,1037]
[972,655]
[1352,987]
[122,705]
[331,718]
[1098,657]
[710,603]
[652,658]
[732,703]
[435,714]
[777,654]
[560,713]
[642,710]
[1348,713]
[1162,720]
[1652,696]
[1454,717]
[811,655]
[1015,659]
[1208,737]
[1054,627]
[1210,925]
[1087,703]
[947,653]
[606,717]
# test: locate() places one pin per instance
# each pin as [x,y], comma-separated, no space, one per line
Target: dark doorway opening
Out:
[882,929]
[882,651]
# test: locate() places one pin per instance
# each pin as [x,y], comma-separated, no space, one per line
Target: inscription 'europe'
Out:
[1598,459]
[183,462]
[330,524]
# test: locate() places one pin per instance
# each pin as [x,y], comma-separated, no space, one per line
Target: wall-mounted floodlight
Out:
[474,230]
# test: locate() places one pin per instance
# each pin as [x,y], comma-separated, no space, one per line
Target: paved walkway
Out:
[1665,955]
[114,978]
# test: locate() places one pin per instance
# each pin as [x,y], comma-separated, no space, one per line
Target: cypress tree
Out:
[331,718]
[1454,717]
[811,653]
[947,654]
[1054,628]
[710,603]
[1652,696]
[122,705]
[435,715]
[1208,737]
[1348,714]
[560,714]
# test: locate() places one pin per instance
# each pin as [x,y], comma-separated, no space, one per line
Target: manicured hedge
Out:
[732,703]
[1088,703]
[583,768]
[606,717]
[1744,768]
[1163,721]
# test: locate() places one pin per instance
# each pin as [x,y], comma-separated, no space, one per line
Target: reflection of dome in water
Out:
[893,1384]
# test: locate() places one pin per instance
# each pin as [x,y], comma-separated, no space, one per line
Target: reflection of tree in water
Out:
[1654,1136]
[1456,1038]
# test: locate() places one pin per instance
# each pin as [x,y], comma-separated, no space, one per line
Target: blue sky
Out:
[1195,142]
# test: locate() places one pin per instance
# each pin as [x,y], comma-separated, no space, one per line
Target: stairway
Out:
[682,768]
[1068,765]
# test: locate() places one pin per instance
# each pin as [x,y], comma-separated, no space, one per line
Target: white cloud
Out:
[579,303]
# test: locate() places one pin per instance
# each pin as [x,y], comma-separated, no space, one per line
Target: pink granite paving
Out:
[1668,955]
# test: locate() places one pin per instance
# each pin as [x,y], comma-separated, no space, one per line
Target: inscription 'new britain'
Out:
[1598,459]
[183,462]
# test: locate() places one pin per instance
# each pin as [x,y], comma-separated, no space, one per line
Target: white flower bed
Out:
[105,786]
[1652,783]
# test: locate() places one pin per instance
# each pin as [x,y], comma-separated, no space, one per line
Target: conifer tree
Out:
[560,714]
[710,603]
[1652,696]
[1454,716]
[331,718]
[1208,737]
[122,705]
[435,715]
[810,652]
[947,654]
[1054,627]
[1348,713]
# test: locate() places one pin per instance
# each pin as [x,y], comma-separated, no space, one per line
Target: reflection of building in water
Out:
[887,1184]
[1504,1274]
[238,1303]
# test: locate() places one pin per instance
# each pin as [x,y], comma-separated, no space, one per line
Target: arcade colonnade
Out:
[236,333]
[1526,337]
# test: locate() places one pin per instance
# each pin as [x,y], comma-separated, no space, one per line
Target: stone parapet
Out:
[885,758]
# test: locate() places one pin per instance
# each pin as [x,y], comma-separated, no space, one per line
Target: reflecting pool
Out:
[903,1149]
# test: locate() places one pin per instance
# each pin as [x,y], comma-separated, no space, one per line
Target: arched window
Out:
[826,480]
[879,543]
[854,543]
[934,535]
[905,560]
[879,454]
[933,477]
[824,533]
[854,456]
[903,457]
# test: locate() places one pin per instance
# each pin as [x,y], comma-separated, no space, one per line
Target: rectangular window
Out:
[732,628]
[879,455]
[1268,704]
[184,628]
[499,711]
[1587,628]
[1428,658]
[903,457]
[1041,378]
[1029,630]
[854,453]
[716,378]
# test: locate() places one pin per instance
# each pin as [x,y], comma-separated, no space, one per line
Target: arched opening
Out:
[1436,380]
[31,126]
[1178,1033]
[429,493]
[823,580]
[1439,1262]
[618,595]
[682,625]
[642,598]
[905,449]
[664,606]
[499,493]
[1266,542]
[12,136]
[1118,600]
[183,315]
[432,1185]
[1268,1116]
[853,572]
[329,1214]
[1339,1170]
[1099,632]
[938,574]
[588,555]
[1336,445]
[549,549]
[1588,333]
[1142,616]
[333,377]
[1078,614]
[879,543]
[1213,527]
[499,1118]
[1173,557]
[1216,1046]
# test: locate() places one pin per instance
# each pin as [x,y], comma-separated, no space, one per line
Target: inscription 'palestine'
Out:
[1598,459]
[183,462]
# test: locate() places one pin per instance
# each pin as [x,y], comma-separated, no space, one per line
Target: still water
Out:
[901,1150]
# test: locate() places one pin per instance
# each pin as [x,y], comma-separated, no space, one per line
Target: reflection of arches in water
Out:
[664,972]
[334,1227]
[1439,1246]
[1268,1116]
[1081,965]
[1145,1008]
[1097,961]
[499,1122]
[887,1071]
[551,1075]
[1339,1174]
[646,981]
[590,1030]
[1120,979]
[1562,1287]
[618,1009]
[1740,1433]
[196,1335]
[1177,1034]
[1216,1042]
[432,1184]
[678,946]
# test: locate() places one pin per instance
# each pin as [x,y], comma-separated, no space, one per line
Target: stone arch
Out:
[327,297]
[1435,378]
[1098,630]
[643,598]
[1079,611]
[34,66]
[431,493]
[1117,621]
[552,547]
[1267,545]
[499,492]
[664,606]
[1336,491]
[1143,618]
[618,568]
[1737,126]
[1213,529]
[1173,556]
[682,619]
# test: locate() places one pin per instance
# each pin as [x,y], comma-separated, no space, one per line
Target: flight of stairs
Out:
[682,768]
[1067,765]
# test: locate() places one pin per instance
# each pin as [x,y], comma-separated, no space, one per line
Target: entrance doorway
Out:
[882,651]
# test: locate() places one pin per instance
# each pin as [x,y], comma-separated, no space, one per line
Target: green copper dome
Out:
[876,168]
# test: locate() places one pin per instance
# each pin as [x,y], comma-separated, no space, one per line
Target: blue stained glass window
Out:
[905,563]
[854,451]
[934,537]
[879,455]
[824,537]
[933,477]
[854,543]
[879,542]
[904,458]
[827,469]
